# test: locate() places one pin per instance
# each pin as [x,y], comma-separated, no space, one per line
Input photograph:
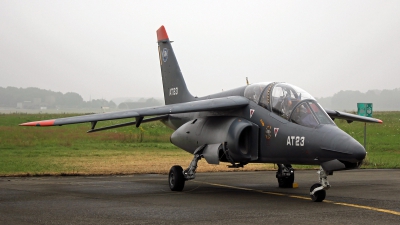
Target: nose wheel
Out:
[318,190]
[318,196]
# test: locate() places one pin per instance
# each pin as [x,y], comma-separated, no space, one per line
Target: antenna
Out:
[247,81]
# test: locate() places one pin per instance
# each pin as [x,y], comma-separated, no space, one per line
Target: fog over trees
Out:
[383,100]
[35,98]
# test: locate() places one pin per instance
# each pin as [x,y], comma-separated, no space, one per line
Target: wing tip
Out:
[162,33]
[39,123]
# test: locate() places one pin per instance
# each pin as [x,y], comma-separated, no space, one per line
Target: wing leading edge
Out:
[215,104]
[351,117]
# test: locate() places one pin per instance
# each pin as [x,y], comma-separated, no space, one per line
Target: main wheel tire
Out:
[176,180]
[285,182]
[318,196]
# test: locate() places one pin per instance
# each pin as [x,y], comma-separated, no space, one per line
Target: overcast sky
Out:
[108,49]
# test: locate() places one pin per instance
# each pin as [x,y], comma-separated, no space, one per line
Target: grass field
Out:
[68,150]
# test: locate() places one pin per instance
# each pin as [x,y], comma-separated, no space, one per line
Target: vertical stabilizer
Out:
[175,90]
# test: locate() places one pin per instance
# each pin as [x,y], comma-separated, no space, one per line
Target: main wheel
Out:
[285,182]
[176,179]
[318,196]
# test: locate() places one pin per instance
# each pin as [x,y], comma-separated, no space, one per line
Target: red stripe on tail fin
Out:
[162,34]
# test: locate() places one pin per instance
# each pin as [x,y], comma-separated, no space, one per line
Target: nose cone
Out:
[356,150]
[337,144]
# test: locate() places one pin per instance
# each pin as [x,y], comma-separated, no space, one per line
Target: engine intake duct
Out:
[237,135]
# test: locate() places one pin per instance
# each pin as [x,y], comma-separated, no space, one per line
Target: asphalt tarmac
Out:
[356,197]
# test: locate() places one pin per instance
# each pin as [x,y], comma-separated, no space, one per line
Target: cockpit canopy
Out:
[288,101]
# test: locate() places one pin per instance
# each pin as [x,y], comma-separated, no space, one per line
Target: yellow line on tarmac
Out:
[272,193]
[302,197]
[222,185]
[368,207]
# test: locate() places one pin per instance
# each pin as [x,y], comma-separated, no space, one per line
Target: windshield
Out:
[309,114]
[286,96]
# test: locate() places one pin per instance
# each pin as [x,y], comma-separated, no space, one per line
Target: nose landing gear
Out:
[318,190]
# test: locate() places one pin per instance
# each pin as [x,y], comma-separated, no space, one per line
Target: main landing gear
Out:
[318,190]
[178,176]
[285,175]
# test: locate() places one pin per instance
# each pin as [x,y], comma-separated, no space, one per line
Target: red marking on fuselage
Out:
[162,34]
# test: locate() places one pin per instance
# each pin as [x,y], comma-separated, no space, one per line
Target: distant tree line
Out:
[383,100]
[142,103]
[34,98]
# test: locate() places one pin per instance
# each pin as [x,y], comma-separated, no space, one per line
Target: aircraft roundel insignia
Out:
[165,55]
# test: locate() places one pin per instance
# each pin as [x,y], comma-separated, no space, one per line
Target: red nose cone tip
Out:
[380,121]
[39,123]
[162,34]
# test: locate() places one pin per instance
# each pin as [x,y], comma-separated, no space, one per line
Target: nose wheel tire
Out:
[176,179]
[318,196]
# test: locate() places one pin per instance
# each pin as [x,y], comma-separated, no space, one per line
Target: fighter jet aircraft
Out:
[271,122]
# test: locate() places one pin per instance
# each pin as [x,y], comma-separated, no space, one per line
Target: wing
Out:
[351,117]
[215,104]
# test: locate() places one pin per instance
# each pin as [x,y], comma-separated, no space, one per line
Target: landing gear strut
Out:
[318,190]
[285,175]
[178,176]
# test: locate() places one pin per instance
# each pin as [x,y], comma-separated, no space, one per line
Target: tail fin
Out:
[175,90]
